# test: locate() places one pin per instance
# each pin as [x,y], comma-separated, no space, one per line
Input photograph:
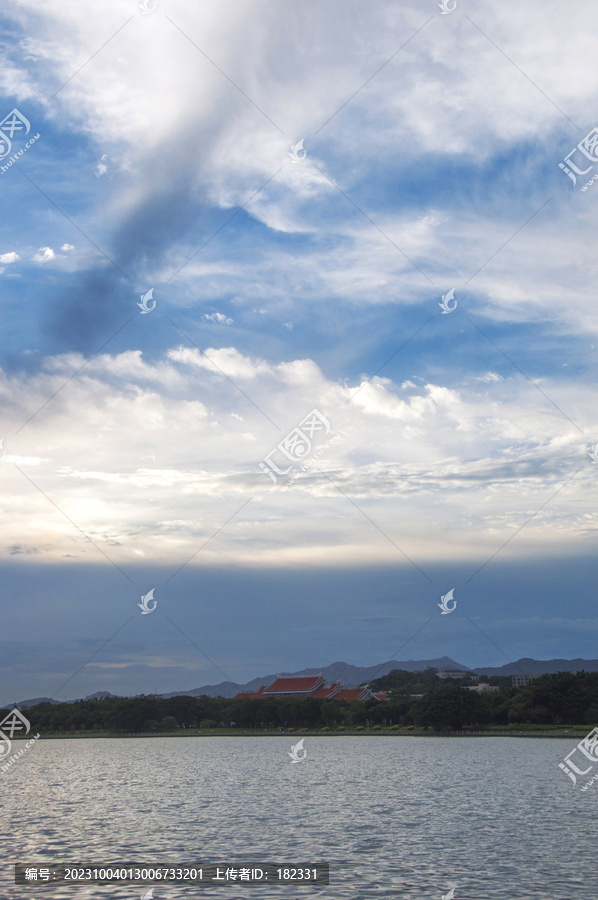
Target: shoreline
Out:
[573,732]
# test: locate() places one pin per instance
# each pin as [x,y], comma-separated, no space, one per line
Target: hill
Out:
[355,675]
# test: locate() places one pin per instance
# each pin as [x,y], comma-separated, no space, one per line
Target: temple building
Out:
[310,686]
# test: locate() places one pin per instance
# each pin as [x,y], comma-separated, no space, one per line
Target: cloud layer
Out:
[286,283]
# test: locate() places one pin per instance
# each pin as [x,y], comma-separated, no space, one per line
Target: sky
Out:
[299,334]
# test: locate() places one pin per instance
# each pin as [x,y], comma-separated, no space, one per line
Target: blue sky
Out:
[454,442]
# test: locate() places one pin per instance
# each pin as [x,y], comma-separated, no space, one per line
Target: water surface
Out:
[395,816]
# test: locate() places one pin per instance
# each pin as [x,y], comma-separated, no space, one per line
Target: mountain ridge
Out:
[355,675]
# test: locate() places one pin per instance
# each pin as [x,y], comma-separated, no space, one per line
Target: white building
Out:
[522,680]
[457,674]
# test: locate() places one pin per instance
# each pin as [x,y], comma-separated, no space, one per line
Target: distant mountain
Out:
[348,674]
[226,689]
[23,704]
[99,695]
[338,671]
[356,675]
[527,666]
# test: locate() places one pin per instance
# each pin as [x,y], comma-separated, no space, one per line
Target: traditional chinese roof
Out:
[250,695]
[327,691]
[295,685]
[359,693]
[310,686]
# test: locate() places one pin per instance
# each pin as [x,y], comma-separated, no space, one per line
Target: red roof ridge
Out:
[312,686]
[295,684]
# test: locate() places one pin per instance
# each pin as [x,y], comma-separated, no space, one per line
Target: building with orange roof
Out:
[251,695]
[328,691]
[296,686]
[310,686]
[356,693]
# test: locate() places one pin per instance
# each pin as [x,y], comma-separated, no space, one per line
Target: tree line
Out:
[564,698]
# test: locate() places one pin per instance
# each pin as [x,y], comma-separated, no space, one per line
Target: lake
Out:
[405,817]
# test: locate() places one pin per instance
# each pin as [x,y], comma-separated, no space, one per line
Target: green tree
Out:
[169,723]
[448,707]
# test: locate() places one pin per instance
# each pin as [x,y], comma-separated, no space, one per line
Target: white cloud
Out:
[155,455]
[66,247]
[7,258]
[220,318]
[226,360]
[102,166]
[44,255]
[481,455]
[489,376]
[449,95]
